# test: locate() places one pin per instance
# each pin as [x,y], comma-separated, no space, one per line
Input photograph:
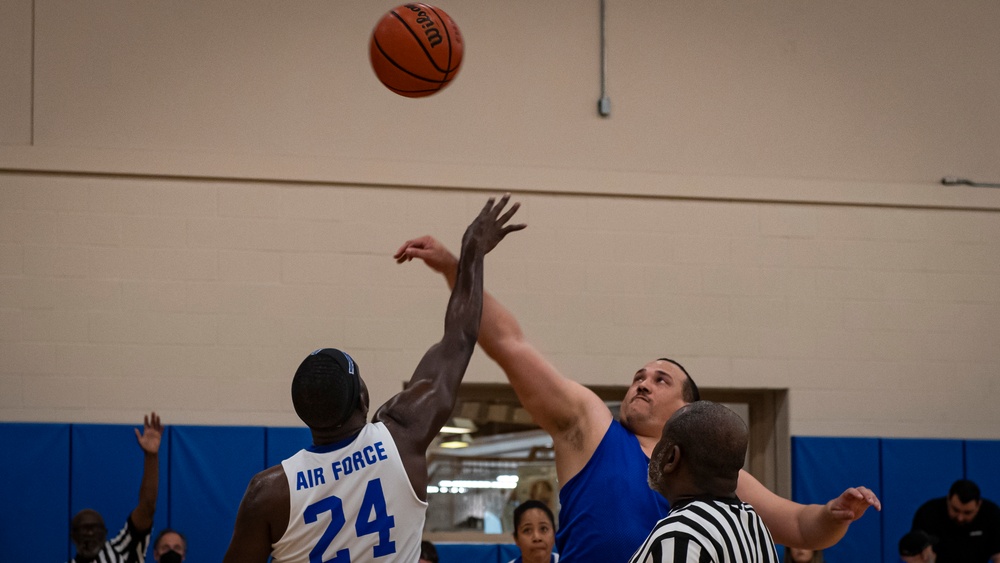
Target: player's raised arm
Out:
[561,406]
[149,440]
[417,414]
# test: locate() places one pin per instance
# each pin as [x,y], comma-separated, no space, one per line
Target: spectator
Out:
[428,553]
[967,526]
[543,490]
[170,546]
[87,528]
[917,547]
[534,532]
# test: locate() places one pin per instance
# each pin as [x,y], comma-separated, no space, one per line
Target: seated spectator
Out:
[428,553]
[966,525]
[917,546]
[534,533]
[170,547]
[543,490]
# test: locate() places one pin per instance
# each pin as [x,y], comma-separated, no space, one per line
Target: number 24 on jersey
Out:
[372,519]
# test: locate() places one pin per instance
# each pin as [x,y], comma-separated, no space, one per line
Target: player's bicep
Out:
[250,541]
[416,413]
[780,515]
[555,402]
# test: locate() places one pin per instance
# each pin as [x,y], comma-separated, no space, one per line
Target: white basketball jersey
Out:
[351,503]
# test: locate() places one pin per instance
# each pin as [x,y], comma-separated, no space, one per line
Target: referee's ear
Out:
[671,459]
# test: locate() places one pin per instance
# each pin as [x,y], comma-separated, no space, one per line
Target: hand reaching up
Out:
[439,258]
[490,227]
[152,431]
[431,251]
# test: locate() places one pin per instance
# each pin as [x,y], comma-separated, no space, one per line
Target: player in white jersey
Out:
[359,493]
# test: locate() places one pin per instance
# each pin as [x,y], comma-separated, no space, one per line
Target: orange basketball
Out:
[416,50]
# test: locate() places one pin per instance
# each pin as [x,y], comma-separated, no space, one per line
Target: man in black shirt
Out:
[966,525]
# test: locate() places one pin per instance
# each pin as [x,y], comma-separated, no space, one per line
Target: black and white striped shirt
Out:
[709,530]
[129,546]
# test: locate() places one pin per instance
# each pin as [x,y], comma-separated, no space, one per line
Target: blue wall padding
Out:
[822,469]
[210,468]
[34,492]
[283,443]
[508,552]
[914,471]
[982,458]
[106,470]
[53,470]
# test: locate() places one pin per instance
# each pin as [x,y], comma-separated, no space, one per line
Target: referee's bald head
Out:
[701,451]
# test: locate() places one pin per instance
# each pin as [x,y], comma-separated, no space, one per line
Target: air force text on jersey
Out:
[368,455]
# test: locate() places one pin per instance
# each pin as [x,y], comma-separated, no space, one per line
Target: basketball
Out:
[416,50]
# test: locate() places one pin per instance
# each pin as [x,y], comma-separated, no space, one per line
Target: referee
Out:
[695,465]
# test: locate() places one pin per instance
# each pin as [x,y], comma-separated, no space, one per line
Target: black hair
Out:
[428,551]
[528,505]
[326,388]
[689,389]
[965,490]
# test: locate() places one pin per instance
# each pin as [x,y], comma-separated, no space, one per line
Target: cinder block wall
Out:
[123,295]
[193,197]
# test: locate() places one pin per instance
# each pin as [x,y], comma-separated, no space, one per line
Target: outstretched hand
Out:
[431,251]
[852,504]
[152,431]
[489,228]
[439,258]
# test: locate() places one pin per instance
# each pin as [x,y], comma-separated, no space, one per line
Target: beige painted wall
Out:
[194,195]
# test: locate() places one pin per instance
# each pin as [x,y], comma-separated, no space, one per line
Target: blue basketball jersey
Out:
[608,509]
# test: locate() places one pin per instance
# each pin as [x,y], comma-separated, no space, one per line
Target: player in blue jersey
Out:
[359,493]
[603,516]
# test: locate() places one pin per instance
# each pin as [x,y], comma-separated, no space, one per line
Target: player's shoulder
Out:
[266,499]
[267,486]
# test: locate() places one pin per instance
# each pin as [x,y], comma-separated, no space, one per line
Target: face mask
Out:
[171,557]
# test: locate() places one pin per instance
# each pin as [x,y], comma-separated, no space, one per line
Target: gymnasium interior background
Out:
[194,195]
